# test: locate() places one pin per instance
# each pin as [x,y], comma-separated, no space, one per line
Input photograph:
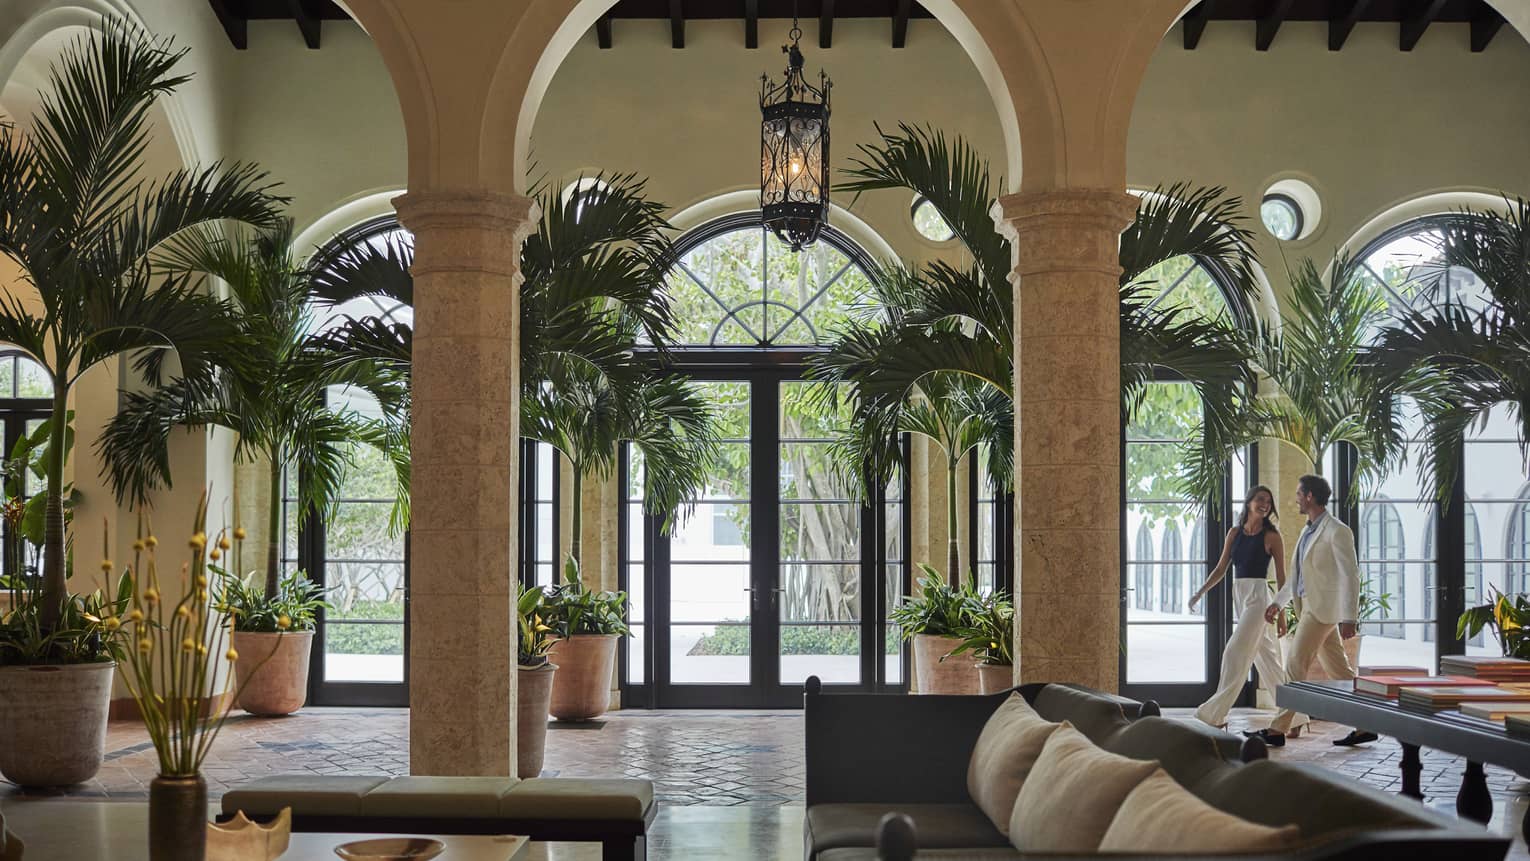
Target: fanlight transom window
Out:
[737,285]
[1407,264]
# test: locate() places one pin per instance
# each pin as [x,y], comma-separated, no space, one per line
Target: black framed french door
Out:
[774,573]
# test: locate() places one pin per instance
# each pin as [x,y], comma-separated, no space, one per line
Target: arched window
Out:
[1142,561]
[1473,558]
[1381,559]
[1517,549]
[1197,557]
[736,285]
[1173,568]
[1405,263]
[26,402]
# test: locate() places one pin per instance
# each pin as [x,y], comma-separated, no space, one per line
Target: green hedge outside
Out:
[795,640]
[343,639]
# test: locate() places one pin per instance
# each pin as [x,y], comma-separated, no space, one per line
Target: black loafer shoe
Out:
[1355,737]
[1270,737]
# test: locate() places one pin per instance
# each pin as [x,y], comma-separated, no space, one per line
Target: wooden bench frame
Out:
[620,840]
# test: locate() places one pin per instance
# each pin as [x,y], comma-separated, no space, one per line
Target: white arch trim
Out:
[25,22]
[1430,203]
[748,200]
[360,207]
[583,17]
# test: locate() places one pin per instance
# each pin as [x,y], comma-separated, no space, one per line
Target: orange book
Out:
[1388,686]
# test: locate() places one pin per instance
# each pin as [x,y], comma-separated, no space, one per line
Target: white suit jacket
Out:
[1330,574]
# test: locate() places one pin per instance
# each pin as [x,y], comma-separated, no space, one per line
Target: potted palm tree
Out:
[935,620]
[534,673]
[85,228]
[272,395]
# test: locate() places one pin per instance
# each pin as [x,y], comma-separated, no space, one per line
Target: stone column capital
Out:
[471,229]
[1072,229]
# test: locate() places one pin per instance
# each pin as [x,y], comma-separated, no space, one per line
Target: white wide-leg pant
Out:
[1253,644]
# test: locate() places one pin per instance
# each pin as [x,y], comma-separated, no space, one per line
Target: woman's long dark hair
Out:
[1269,520]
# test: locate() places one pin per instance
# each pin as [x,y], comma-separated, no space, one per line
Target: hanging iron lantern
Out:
[794,151]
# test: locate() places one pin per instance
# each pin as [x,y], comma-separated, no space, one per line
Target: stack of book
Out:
[1391,670]
[1493,669]
[1389,686]
[1494,711]
[1431,699]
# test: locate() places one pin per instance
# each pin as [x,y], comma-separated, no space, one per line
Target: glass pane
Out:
[366,590]
[709,654]
[808,471]
[8,375]
[821,532]
[1382,644]
[712,532]
[714,278]
[812,411]
[637,603]
[545,532]
[31,381]
[635,527]
[547,468]
[359,530]
[635,645]
[892,641]
[363,653]
[709,592]
[821,593]
[831,652]
[1166,653]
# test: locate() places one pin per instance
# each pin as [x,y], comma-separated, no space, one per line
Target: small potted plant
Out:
[989,636]
[1372,605]
[535,674]
[934,619]
[586,625]
[273,634]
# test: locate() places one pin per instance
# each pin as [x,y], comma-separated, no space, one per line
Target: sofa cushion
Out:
[306,794]
[1004,754]
[829,826]
[465,797]
[578,798]
[1072,794]
[1160,817]
[1096,715]
[1188,751]
[1323,803]
[986,853]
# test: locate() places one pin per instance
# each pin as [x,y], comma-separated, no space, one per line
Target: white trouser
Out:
[1253,644]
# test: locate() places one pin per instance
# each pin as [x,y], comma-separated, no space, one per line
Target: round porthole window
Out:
[929,223]
[1281,216]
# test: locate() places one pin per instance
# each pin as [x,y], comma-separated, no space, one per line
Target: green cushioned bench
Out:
[614,813]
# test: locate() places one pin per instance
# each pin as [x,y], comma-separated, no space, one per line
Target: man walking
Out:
[1326,586]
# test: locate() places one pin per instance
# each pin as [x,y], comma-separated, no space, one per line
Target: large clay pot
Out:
[536,684]
[581,688]
[934,676]
[53,722]
[993,678]
[272,671]
[1315,669]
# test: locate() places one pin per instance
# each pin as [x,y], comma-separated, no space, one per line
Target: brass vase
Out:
[178,818]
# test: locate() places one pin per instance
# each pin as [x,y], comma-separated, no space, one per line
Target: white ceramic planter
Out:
[53,722]
[274,685]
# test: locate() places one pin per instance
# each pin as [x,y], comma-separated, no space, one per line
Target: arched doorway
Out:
[775,572]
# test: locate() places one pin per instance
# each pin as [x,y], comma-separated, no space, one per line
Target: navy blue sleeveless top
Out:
[1249,557]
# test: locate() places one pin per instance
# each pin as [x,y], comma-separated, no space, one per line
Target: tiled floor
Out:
[701,761]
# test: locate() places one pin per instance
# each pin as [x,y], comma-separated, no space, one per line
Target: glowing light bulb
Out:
[796,167]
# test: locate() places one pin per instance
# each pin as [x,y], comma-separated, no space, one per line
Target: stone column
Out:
[1067,432]
[462,649]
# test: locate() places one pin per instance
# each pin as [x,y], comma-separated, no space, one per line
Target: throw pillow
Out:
[1072,794]
[1004,754]
[1162,817]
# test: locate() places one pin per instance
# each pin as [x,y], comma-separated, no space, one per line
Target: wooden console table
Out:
[1479,741]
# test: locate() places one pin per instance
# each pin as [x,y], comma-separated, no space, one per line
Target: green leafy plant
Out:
[940,609]
[536,635]
[1508,617]
[570,609]
[989,634]
[85,228]
[88,632]
[23,514]
[736,640]
[1373,605]
[294,606]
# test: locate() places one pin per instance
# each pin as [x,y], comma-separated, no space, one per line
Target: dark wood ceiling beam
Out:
[901,12]
[1415,21]
[676,24]
[1485,25]
[307,18]
[234,23]
[1345,16]
[826,25]
[603,31]
[1195,24]
[1269,24]
[751,23]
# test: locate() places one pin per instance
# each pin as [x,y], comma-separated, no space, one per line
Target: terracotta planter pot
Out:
[536,684]
[1315,669]
[272,671]
[53,722]
[993,678]
[934,676]
[581,688]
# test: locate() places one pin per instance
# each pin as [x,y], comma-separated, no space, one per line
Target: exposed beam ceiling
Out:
[1346,14]
[826,25]
[900,22]
[751,24]
[1421,14]
[1195,23]
[1485,25]
[603,32]
[306,14]
[676,23]
[1269,23]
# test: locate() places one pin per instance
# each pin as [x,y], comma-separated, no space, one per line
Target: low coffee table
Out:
[1479,741]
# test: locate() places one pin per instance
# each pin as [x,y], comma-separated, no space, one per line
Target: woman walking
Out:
[1249,548]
